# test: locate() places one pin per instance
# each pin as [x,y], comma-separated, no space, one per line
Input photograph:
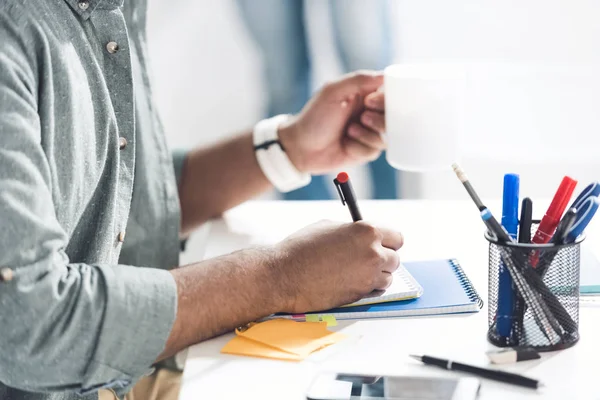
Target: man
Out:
[85,309]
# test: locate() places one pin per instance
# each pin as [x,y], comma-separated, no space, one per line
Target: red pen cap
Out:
[342,177]
[555,211]
[561,198]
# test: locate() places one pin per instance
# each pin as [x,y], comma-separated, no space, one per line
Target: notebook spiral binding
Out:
[466,283]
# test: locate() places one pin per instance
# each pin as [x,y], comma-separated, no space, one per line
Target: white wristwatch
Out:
[272,158]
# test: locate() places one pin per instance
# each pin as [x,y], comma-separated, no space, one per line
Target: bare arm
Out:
[223,293]
[218,178]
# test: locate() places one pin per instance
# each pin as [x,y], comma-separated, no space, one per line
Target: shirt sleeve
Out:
[64,325]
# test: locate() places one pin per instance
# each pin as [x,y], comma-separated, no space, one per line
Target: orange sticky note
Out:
[282,339]
[245,347]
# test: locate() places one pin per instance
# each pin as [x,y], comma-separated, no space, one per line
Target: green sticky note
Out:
[330,319]
[312,318]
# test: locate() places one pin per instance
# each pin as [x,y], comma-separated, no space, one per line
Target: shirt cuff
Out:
[179,157]
[141,307]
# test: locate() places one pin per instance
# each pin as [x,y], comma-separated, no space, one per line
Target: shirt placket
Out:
[116,54]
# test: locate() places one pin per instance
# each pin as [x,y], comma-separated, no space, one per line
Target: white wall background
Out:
[208,82]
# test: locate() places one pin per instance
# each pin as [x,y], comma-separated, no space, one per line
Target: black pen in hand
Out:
[347,195]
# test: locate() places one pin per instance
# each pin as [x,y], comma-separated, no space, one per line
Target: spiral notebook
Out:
[446,290]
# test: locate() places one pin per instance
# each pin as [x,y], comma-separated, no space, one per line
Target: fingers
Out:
[384,281]
[367,137]
[391,239]
[391,261]
[375,101]
[373,120]
[358,151]
[359,82]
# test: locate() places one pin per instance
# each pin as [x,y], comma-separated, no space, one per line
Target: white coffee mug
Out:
[425,107]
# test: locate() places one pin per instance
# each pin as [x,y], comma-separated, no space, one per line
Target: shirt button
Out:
[121,237]
[122,143]
[6,274]
[83,4]
[112,47]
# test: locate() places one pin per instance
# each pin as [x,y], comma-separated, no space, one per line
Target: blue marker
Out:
[510,222]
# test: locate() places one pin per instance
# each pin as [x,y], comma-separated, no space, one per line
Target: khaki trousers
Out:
[163,384]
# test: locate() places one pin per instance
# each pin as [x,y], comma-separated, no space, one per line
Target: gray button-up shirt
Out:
[83,160]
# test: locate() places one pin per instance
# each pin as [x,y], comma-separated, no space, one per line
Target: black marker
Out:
[525,222]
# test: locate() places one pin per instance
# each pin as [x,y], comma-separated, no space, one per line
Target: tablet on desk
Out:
[332,386]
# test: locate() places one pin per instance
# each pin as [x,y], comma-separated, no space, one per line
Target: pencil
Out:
[465,181]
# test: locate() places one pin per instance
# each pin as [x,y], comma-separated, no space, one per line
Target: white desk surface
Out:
[432,229]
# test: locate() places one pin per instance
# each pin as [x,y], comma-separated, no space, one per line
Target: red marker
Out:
[555,211]
[344,188]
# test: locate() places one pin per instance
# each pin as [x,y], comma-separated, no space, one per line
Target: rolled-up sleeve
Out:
[63,325]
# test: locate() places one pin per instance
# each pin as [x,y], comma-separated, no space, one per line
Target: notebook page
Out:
[403,287]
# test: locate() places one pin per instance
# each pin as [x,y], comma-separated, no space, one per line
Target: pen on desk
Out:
[496,375]
[465,181]
[347,195]
[510,222]
[550,220]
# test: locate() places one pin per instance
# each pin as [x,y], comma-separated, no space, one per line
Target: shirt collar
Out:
[85,8]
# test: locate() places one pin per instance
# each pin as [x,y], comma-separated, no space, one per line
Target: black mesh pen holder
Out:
[540,308]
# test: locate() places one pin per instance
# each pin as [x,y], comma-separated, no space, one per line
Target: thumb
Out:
[359,82]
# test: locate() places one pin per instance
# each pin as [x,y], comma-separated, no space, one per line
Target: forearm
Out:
[223,293]
[217,178]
